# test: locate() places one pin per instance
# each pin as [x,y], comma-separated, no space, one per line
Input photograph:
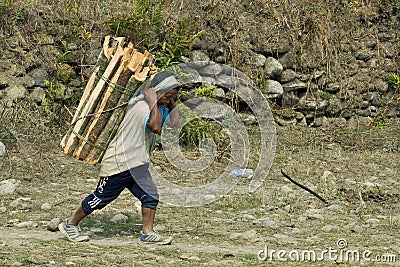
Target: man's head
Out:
[166,98]
[166,87]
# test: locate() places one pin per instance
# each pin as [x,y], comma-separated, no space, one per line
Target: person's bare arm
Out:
[155,120]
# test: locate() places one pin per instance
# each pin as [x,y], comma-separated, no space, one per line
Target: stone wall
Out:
[350,88]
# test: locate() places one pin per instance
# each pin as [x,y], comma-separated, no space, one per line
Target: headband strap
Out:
[163,85]
[166,83]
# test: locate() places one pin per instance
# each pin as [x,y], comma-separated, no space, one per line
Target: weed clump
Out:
[148,29]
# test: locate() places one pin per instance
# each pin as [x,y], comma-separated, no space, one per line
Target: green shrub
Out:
[396,7]
[11,9]
[205,91]
[393,80]
[379,121]
[73,6]
[54,98]
[195,131]
[148,29]
[6,4]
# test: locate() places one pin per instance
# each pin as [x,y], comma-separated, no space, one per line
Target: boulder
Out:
[273,89]
[8,186]
[273,67]
[2,150]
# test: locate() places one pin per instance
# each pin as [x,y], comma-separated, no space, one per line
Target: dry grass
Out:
[363,183]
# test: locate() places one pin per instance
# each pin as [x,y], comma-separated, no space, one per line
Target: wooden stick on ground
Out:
[304,187]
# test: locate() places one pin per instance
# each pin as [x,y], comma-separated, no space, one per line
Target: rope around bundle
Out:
[87,141]
[119,88]
[125,90]
[97,113]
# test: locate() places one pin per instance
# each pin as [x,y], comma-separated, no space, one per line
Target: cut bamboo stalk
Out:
[120,41]
[146,60]
[101,66]
[103,104]
[142,76]
[147,54]
[92,101]
[97,153]
[85,95]
[106,47]
[116,42]
[108,101]
[113,123]
[136,62]
[153,70]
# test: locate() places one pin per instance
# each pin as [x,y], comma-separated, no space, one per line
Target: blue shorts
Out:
[137,180]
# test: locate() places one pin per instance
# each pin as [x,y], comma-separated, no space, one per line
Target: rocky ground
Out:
[357,171]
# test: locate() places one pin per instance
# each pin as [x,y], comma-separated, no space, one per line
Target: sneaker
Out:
[72,232]
[154,238]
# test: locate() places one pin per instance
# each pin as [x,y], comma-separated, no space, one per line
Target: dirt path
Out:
[361,184]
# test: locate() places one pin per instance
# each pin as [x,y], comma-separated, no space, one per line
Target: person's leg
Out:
[70,229]
[148,215]
[106,191]
[145,190]
[78,216]
[149,207]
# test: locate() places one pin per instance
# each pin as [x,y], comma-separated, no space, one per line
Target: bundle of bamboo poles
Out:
[118,73]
